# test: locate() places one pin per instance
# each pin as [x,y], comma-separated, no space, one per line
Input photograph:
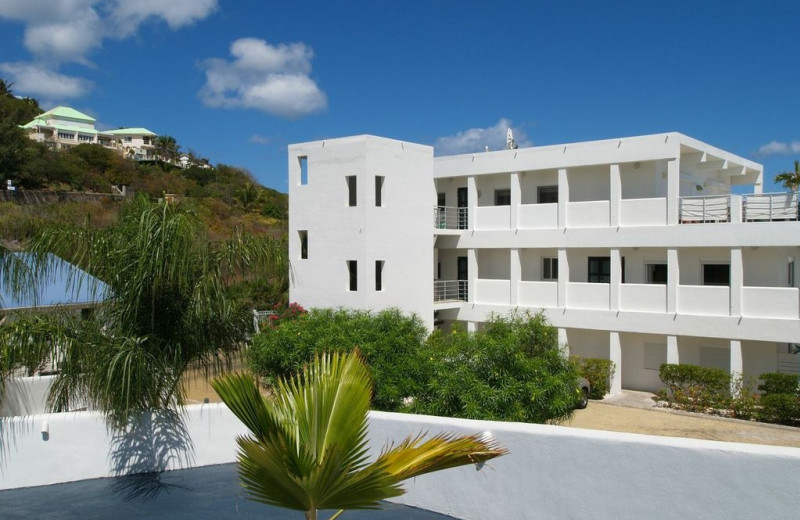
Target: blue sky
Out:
[236,81]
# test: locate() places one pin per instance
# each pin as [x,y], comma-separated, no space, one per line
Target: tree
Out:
[790,179]
[168,308]
[307,448]
[167,148]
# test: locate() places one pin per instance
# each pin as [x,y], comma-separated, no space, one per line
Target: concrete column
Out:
[516,200]
[563,277]
[737,280]
[562,341]
[472,326]
[673,190]
[673,355]
[472,274]
[516,277]
[673,278]
[616,280]
[615,355]
[563,197]
[616,195]
[737,364]
[736,208]
[472,201]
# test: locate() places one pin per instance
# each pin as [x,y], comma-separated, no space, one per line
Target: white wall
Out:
[531,180]
[494,264]
[550,472]
[589,183]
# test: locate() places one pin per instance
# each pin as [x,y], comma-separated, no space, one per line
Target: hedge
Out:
[598,372]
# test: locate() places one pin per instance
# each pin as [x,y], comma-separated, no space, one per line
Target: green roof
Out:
[130,131]
[68,128]
[69,113]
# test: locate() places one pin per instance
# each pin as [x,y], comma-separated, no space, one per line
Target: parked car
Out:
[583,389]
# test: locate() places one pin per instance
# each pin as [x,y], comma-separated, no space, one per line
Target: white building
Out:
[636,249]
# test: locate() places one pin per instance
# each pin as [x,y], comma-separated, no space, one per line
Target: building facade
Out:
[641,250]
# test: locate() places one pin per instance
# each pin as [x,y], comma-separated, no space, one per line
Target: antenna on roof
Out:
[510,143]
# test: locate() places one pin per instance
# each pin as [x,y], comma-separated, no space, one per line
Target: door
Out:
[463,276]
[463,220]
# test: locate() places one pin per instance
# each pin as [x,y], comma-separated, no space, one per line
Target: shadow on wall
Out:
[151,444]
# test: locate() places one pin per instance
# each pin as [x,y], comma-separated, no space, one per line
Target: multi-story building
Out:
[638,250]
[62,128]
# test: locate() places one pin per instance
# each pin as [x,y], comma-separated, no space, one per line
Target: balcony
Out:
[709,209]
[771,302]
[643,297]
[449,217]
[450,290]
[769,207]
[582,295]
[704,300]
[538,294]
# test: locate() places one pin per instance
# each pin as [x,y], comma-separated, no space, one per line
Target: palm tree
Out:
[790,179]
[307,448]
[166,148]
[167,310]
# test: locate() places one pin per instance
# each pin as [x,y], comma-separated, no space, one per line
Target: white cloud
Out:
[477,139]
[779,148]
[271,78]
[64,31]
[33,80]
[260,139]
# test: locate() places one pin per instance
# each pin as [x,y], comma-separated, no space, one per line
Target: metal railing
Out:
[450,290]
[766,207]
[449,217]
[705,209]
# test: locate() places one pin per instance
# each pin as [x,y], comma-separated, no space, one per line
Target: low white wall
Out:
[493,217]
[704,299]
[551,471]
[643,297]
[584,295]
[25,396]
[538,216]
[588,214]
[538,294]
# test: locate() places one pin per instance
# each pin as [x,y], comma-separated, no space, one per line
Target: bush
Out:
[745,404]
[510,371]
[598,372]
[780,409]
[778,383]
[389,341]
[696,388]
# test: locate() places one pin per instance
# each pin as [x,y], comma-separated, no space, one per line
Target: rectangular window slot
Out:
[716,274]
[599,269]
[379,191]
[379,275]
[502,197]
[547,194]
[303,170]
[352,268]
[352,198]
[550,269]
[303,244]
[657,273]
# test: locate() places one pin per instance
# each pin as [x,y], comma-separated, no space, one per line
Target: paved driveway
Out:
[634,412]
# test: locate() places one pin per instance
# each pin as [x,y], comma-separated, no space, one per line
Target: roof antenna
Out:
[511,144]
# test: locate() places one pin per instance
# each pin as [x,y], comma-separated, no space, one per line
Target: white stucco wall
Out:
[551,472]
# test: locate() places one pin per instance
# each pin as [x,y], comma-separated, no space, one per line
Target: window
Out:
[656,273]
[716,274]
[547,194]
[146,139]
[599,269]
[790,274]
[550,269]
[66,135]
[441,198]
[303,244]
[378,275]
[502,197]
[303,160]
[378,191]
[85,138]
[352,199]
[352,268]
[129,139]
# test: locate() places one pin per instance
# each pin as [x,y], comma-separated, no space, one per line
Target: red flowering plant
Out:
[282,312]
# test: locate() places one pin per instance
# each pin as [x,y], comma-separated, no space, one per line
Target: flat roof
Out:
[187,494]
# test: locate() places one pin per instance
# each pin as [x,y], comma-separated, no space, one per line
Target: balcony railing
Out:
[713,208]
[450,290]
[767,207]
[449,217]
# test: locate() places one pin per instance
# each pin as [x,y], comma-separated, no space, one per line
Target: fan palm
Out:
[790,180]
[307,448]
[168,307]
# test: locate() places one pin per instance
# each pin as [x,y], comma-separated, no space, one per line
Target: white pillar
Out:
[736,282]
[472,201]
[562,341]
[516,277]
[563,277]
[516,200]
[616,280]
[673,355]
[615,355]
[616,195]
[673,190]
[472,274]
[563,197]
[472,326]
[737,364]
[673,279]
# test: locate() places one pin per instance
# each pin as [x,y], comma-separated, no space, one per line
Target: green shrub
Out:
[696,388]
[510,371]
[598,372]
[746,402]
[389,341]
[778,383]
[780,409]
